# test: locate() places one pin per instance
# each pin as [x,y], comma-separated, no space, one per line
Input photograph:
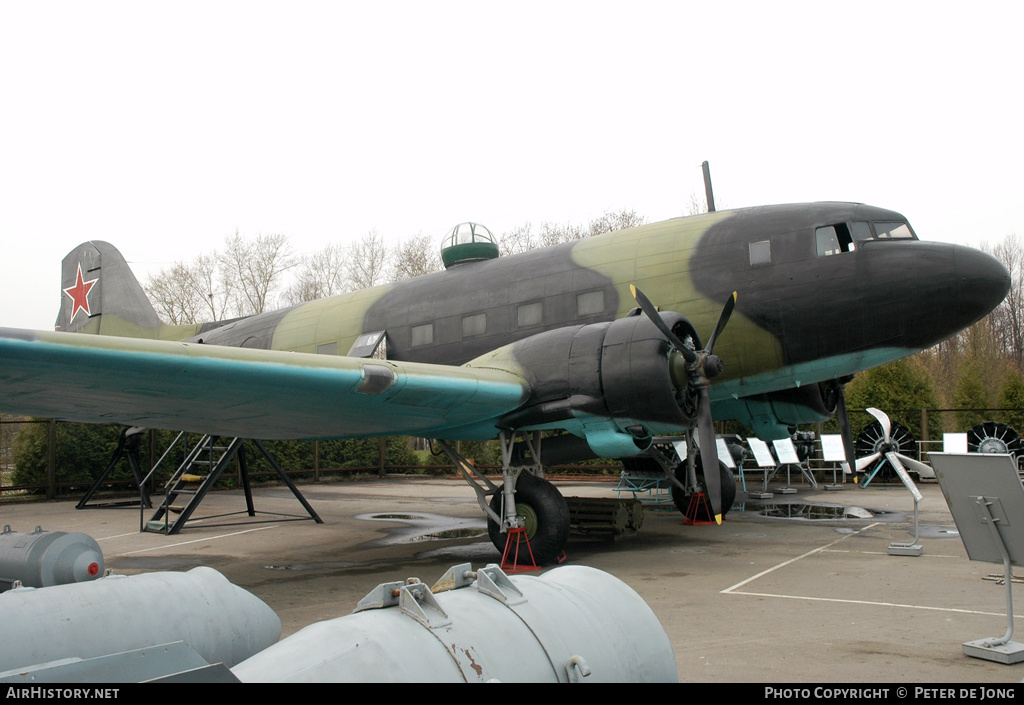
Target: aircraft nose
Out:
[982,281]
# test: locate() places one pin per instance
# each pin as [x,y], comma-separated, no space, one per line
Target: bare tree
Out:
[213,286]
[416,256]
[517,240]
[610,222]
[192,292]
[367,261]
[1008,318]
[698,204]
[320,275]
[551,234]
[256,267]
[173,295]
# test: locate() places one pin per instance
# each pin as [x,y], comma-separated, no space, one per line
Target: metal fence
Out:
[51,479]
[926,425]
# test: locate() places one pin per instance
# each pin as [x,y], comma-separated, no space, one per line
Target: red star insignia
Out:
[79,294]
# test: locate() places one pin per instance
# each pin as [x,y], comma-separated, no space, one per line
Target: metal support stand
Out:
[832,451]
[835,486]
[906,549]
[127,448]
[999,649]
[181,483]
[764,460]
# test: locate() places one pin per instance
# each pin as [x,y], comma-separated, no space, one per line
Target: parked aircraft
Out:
[568,340]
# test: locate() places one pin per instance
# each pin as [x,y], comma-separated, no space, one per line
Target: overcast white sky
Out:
[162,127]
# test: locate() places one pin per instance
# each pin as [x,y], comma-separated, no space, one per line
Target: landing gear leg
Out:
[525,500]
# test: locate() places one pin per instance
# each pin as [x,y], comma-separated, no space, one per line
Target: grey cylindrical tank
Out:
[45,558]
[220,621]
[573,623]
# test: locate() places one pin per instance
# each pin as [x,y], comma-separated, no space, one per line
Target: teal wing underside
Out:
[247,393]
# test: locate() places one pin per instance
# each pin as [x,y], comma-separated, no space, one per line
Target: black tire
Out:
[546,514]
[682,500]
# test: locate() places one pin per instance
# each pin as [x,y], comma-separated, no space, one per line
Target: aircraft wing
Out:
[243,392]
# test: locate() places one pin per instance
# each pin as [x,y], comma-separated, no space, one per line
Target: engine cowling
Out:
[770,416]
[619,380]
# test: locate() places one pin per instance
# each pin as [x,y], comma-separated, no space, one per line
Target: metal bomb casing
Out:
[220,621]
[45,558]
[573,623]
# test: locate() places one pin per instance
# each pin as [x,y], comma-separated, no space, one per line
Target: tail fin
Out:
[101,295]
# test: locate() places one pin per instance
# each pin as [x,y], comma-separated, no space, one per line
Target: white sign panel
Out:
[762,455]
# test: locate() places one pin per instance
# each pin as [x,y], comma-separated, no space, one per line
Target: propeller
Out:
[702,366]
[889,449]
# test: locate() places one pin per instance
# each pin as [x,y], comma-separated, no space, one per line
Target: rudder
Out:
[96,282]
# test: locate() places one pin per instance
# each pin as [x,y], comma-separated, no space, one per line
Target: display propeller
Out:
[701,367]
[889,449]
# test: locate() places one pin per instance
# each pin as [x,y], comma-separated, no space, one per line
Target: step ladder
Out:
[198,473]
[185,489]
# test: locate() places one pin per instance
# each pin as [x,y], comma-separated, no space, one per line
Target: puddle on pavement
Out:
[428,527]
[813,512]
[418,528]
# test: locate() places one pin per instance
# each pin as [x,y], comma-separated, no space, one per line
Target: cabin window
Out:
[590,303]
[422,335]
[474,325]
[530,314]
[760,252]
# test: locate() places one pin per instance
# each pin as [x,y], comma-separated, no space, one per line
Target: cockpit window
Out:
[827,241]
[893,231]
[833,239]
[861,230]
[845,237]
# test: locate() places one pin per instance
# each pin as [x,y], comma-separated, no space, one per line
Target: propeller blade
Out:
[883,420]
[730,304]
[709,453]
[849,450]
[863,463]
[647,307]
[705,367]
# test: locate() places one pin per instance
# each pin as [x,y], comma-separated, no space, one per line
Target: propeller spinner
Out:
[701,367]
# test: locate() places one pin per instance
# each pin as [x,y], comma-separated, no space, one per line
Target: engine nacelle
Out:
[615,378]
[771,415]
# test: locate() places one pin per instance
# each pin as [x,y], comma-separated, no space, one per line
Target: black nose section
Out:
[982,283]
[941,288]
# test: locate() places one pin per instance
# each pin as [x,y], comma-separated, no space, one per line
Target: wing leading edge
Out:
[261,394]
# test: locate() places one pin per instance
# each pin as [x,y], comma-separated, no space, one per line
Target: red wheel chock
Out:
[516,537]
[697,500]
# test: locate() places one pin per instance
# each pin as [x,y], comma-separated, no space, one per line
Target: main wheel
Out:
[682,499]
[545,514]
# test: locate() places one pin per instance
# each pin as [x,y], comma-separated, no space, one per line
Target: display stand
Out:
[896,460]
[785,451]
[986,499]
[765,461]
[832,451]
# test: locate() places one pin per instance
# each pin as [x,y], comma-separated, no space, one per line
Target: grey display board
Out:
[965,478]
